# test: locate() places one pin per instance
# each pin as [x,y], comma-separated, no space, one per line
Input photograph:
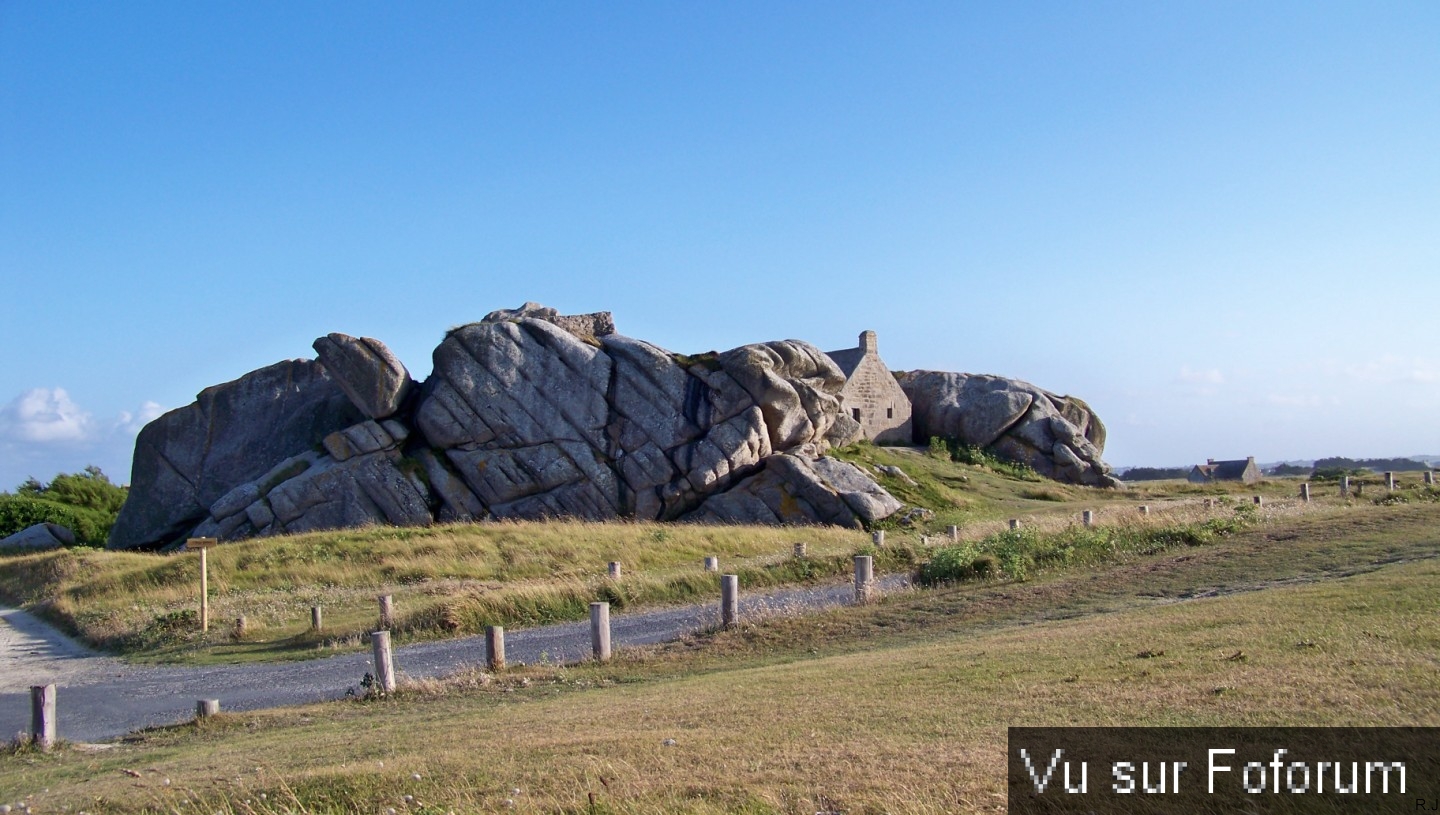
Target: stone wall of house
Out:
[873,398]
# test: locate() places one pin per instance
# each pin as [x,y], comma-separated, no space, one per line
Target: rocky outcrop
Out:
[1060,437]
[188,459]
[799,490]
[374,379]
[38,538]
[527,414]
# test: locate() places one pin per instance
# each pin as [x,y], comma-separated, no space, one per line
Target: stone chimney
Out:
[868,343]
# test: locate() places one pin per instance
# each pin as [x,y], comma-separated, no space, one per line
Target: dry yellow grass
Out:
[764,721]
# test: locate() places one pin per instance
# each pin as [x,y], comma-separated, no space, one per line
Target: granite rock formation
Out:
[1060,437]
[527,414]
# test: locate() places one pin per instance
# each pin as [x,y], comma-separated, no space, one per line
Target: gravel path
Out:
[100,697]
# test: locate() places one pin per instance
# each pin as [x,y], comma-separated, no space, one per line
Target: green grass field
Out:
[1318,614]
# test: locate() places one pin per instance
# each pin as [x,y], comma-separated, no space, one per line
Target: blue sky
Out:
[1219,223]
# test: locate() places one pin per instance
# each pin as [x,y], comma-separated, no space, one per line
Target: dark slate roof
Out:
[848,360]
[1229,470]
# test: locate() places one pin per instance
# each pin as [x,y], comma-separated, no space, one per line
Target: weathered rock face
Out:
[799,490]
[233,433]
[376,382]
[527,414]
[1058,436]
[38,538]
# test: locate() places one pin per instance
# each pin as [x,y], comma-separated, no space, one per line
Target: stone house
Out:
[1247,471]
[871,395]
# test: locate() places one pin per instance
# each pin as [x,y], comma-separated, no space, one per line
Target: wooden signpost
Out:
[203,545]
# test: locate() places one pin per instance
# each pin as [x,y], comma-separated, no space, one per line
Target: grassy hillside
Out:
[454,580]
[1316,618]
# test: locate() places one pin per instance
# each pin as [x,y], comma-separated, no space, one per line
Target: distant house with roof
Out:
[1246,471]
[871,395]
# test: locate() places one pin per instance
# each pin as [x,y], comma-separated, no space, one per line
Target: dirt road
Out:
[101,697]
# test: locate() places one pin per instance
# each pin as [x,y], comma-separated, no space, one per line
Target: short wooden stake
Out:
[1259,500]
[495,648]
[600,630]
[1390,482]
[1144,510]
[317,622]
[205,708]
[42,716]
[614,570]
[729,600]
[1014,523]
[1209,503]
[384,661]
[800,550]
[864,578]
[878,537]
[387,612]
[1344,486]
[954,532]
[1088,517]
[1305,492]
[1429,478]
[712,564]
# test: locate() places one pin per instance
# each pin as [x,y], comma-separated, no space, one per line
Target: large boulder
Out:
[233,433]
[365,369]
[38,538]
[527,414]
[1060,437]
[794,489]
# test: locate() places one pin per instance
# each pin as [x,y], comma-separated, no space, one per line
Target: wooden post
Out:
[495,648]
[316,620]
[1144,510]
[1209,503]
[712,564]
[1305,492]
[42,716]
[1088,517]
[614,570]
[387,612]
[729,600]
[1259,500]
[384,662]
[800,550]
[1344,486]
[600,630]
[1390,482]
[864,578]
[205,708]
[1014,523]
[954,532]
[203,544]
[1429,478]
[878,537]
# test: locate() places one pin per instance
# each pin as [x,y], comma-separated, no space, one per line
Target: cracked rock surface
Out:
[1059,437]
[527,414]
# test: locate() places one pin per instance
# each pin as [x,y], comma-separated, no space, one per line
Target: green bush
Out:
[1015,553]
[18,512]
[86,503]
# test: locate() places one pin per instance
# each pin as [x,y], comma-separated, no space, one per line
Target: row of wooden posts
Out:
[42,697]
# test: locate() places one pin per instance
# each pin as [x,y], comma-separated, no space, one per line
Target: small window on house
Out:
[889,413]
[856,413]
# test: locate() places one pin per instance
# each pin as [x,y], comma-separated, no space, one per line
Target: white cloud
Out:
[44,432]
[1390,368]
[130,424]
[1210,376]
[45,416]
